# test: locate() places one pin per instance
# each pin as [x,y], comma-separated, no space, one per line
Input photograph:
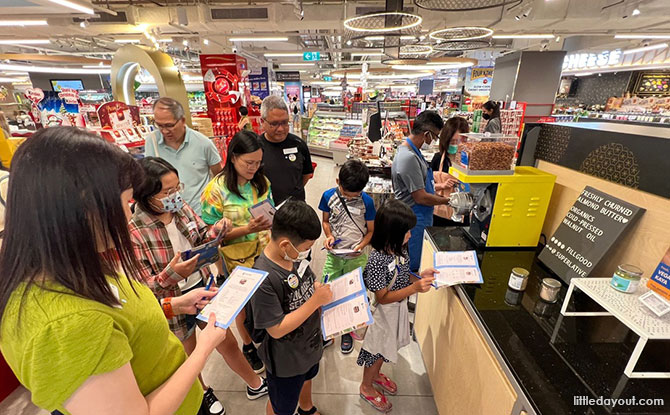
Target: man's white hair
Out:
[272,102]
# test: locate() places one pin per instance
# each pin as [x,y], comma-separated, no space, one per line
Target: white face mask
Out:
[301,255]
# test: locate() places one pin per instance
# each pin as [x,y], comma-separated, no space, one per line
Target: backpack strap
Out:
[346,209]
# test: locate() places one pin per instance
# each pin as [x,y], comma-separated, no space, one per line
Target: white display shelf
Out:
[628,310]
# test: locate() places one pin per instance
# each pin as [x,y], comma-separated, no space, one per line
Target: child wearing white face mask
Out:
[285,310]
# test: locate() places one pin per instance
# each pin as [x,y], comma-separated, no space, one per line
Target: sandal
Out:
[380,402]
[388,385]
[310,412]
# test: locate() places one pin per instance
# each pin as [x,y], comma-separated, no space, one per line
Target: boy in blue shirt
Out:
[348,222]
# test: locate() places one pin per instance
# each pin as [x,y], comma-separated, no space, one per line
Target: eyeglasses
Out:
[173,190]
[251,165]
[434,136]
[166,126]
[277,124]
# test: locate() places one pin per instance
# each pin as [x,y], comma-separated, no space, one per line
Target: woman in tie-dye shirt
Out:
[229,195]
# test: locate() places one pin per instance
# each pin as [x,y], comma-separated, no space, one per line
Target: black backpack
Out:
[295,109]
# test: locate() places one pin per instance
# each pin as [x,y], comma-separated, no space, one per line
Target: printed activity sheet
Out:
[233,295]
[457,267]
[349,309]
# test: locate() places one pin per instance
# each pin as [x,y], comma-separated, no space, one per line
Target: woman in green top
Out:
[77,326]
[230,194]
[245,122]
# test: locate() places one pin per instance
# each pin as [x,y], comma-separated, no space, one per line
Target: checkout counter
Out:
[488,350]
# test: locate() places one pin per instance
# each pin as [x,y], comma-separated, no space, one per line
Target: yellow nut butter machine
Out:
[506,210]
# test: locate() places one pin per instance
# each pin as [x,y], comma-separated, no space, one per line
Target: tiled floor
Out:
[335,388]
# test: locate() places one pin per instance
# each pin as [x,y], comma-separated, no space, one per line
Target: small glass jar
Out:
[518,279]
[626,278]
[550,289]
[513,297]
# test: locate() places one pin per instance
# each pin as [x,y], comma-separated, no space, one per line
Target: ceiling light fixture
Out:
[126,41]
[74,6]
[377,38]
[52,69]
[185,42]
[283,55]
[452,34]
[100,66]
[349,42]
[358,23]
[361,54]
[296,64]
[165,40]
[646,48]
[584,74]
[258,39]
[24,41]
[635,12]
[642,36]
[23,23]
[7,80]
[524,36]
[84,24]
[205,41]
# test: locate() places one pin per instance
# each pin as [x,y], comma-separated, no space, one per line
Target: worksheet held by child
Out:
[349,308]
[457,267]
[263,209]
[233,295]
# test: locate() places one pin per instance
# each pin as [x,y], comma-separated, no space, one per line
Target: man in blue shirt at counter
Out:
[413,181]
[192,153]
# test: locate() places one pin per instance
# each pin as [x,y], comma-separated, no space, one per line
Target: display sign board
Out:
[592,226]
[311,56]
[478,80]
[592,60]
[653,84]
[327,78]
[288,76]
[260,83]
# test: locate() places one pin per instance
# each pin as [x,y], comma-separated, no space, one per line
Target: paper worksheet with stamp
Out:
[349,308]
[233,295]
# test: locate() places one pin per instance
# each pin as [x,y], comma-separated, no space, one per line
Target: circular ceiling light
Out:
[456,46]
[378,22]
[385,40]
[404,61]
[452,34]
[461,5]
[416,50]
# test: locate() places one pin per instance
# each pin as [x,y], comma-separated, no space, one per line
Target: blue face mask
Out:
[173,203]
[453,149]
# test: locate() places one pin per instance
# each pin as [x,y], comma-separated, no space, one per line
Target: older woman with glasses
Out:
[286,157]
[162,228]
[229,195]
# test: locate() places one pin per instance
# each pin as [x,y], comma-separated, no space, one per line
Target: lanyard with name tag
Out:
[292,150]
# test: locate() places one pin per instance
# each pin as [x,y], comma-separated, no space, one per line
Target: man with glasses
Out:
[193,154]
[286,159]
[413,179]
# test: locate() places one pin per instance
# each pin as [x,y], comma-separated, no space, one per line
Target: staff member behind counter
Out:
[286,159]
[413,179]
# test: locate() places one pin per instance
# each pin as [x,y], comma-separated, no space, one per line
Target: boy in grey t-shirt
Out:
[286,306]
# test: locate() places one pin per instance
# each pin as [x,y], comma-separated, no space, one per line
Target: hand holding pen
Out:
[330,243]
[425,280]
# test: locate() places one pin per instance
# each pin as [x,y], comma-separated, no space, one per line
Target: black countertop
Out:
[586,359]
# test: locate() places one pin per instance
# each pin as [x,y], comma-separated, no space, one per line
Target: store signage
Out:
[311,56]
[592,60]
[478,80]
[288,76]
[35,95]
[327,78]
[69,95]
[259,84]
[590,228]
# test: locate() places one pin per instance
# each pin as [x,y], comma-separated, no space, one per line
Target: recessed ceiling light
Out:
[73,5]
[258,39]
[355,54]
[524,36]
[635,12]
[25,42]
[205,41]
[126,41]
[296,64]
[23,23]
[165,40]
[642,36]
[283,55]
[52,69]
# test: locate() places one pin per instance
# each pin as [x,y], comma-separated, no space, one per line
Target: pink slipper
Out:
[387,384]
[380,402]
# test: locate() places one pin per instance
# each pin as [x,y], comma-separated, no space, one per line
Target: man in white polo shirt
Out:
[193,154]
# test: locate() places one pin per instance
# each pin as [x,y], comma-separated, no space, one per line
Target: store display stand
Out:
[628,310]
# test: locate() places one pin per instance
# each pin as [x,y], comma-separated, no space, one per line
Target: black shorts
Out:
[285,392]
